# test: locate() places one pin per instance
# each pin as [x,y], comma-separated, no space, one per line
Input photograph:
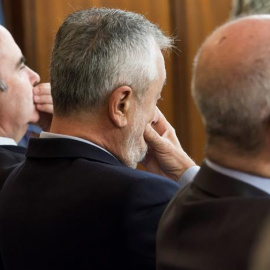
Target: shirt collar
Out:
[253,180]
[51,135]
[7,141]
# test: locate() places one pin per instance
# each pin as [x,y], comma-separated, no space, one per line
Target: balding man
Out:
[213,223]
[22,101]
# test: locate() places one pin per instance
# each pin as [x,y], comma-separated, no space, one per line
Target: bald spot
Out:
[235,48]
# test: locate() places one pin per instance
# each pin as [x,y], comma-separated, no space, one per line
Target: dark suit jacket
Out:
[73,206]
[10,157]
[211,224]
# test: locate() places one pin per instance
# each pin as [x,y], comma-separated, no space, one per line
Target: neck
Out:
[12,134]
[230,157]
[79,126]
[97,129]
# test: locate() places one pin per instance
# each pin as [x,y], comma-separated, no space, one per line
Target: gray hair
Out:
[235,106]
[3,86]
[98,50]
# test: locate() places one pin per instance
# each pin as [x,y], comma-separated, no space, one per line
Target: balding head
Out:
[3,33]
[231,83]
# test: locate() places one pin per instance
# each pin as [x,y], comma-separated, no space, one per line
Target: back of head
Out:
[231,83]
[98,50]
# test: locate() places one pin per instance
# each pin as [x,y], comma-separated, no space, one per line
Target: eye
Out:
[22,66]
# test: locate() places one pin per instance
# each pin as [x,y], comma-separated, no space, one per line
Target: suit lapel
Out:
[221,185]
[68,148]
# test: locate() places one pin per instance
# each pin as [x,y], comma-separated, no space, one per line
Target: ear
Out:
[119,105]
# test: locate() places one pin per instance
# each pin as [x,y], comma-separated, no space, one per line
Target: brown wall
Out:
[34,24]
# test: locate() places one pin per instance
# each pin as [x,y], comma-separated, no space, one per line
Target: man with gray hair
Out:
[214,223]
[77,202]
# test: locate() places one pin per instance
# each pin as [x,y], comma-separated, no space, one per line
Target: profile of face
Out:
[144,114]
[17,108]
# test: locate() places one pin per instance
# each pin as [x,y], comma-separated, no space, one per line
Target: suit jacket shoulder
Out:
[80,207]
[211,224]
[10,157]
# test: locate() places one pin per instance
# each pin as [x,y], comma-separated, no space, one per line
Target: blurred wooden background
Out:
[34,24]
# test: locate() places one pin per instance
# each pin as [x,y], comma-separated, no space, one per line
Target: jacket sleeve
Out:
[145,202]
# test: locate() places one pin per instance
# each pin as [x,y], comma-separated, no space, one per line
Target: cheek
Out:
[25,103]
[21,89]
[139,125]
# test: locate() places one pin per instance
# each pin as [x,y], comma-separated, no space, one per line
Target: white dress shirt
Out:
[7,141]
[259,182]
[188,176]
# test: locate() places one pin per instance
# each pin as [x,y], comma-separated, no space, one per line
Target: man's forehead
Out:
[8,47]
[4,33]
[2,36]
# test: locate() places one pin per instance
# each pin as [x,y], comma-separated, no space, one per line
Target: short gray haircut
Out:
[98,50]
[235,106]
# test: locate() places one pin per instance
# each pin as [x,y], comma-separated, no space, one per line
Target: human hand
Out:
[165,155]
[44,105]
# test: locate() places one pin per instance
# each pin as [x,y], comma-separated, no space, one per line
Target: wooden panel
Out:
[194,21]
[14,20]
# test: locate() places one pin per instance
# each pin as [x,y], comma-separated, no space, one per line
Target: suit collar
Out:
[221,185]
[50,135]
[14,148]
[68,148]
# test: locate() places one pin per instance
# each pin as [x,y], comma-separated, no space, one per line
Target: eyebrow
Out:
[20,62]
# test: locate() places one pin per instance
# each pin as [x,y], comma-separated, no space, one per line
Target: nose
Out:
[156,117]
[33,76]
